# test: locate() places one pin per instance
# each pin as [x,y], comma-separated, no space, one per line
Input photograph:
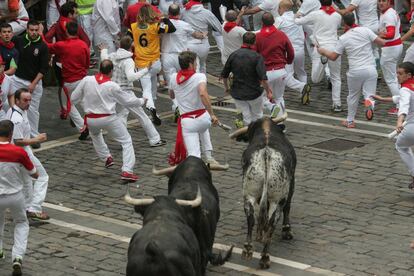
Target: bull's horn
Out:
[238,132]
[163,171]
[281,118]
[135,201]
[193,203]
[218,167]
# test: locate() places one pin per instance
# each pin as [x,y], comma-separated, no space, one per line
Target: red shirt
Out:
[74,55]
[132,12]
[58,31]
[276,49]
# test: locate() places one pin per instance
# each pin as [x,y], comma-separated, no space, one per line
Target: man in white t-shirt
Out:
[15,168]
[190,90]
[367,13]
[232,34]
[389,29]
[286,23]
[21,137]
[326,22]
[362,75]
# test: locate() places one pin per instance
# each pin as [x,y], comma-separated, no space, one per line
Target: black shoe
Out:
[159,143]
[84,135]
[72,124]
[155,119]
[17,267]
[35,146]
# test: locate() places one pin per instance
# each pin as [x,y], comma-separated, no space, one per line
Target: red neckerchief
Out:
[328,9]
[177,17]
[191,3]
[246,46]
[228,26]
[184,75]
[348,28]
[102,78]
[63,21]
[9,45]
[268,30]
[409,84]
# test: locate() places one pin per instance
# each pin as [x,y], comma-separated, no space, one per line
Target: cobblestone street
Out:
[352,213]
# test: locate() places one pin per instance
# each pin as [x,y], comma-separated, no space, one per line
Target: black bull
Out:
[178,240]
[269,163]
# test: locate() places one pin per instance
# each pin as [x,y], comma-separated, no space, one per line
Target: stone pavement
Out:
[351,211]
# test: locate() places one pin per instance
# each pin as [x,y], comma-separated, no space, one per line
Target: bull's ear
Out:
[140,209]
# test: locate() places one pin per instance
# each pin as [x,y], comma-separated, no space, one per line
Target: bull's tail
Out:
[263,204]
[218,259]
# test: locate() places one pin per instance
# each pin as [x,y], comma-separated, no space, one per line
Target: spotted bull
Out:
[178,230]
[269,163]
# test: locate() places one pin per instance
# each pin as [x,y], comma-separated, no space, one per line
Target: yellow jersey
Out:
[147,42]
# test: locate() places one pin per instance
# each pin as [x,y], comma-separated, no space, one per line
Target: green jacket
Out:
[85,6]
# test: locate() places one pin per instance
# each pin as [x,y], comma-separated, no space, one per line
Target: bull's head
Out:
[170,170]
[244,129]
[147,201]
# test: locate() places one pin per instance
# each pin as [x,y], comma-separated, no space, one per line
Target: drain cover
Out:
[337,145]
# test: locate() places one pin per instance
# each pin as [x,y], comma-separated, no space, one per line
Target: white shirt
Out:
[101,98]
[15,168]
[325,26]
[52,3]
[286,23]
[105,17]
[177,41]
[271,6]
[186,94]
[366,11]
[4,9]
[390,18]
[232,41]
[309,6]
[200,19]
[406,101]
[21,123]
[357,42]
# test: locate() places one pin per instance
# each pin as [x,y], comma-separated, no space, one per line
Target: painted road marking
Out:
[135,226]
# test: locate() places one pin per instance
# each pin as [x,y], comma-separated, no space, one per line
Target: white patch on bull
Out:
[266,166]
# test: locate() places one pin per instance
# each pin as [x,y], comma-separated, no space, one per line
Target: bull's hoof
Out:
[264,262]
[287,232]
[247,253]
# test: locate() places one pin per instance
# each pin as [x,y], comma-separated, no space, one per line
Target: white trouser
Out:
[389,59]
[257,20]
[151,132]
[195,131]
[277,82]
[74,113]
[299,64]
[118,132]
[201,48]
[33,112]
[52,15]
[318,72]
[15,203]
[218,37]
[405,140]
[298,67]
[364,80]
[86,23]
[252,110]
[409,54]
[170,66]
[37,189]
[105,38]
[149,83]
[18,26]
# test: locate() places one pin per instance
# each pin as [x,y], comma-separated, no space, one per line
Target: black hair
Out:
[326,2]
[19,92]
[6,128]
[67,8]
[32,22]
[408,67]
[349,19]
[174,10]
[72,28]
[186,58]
[5,26]
[249,38]
[267,19]
[106,67]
